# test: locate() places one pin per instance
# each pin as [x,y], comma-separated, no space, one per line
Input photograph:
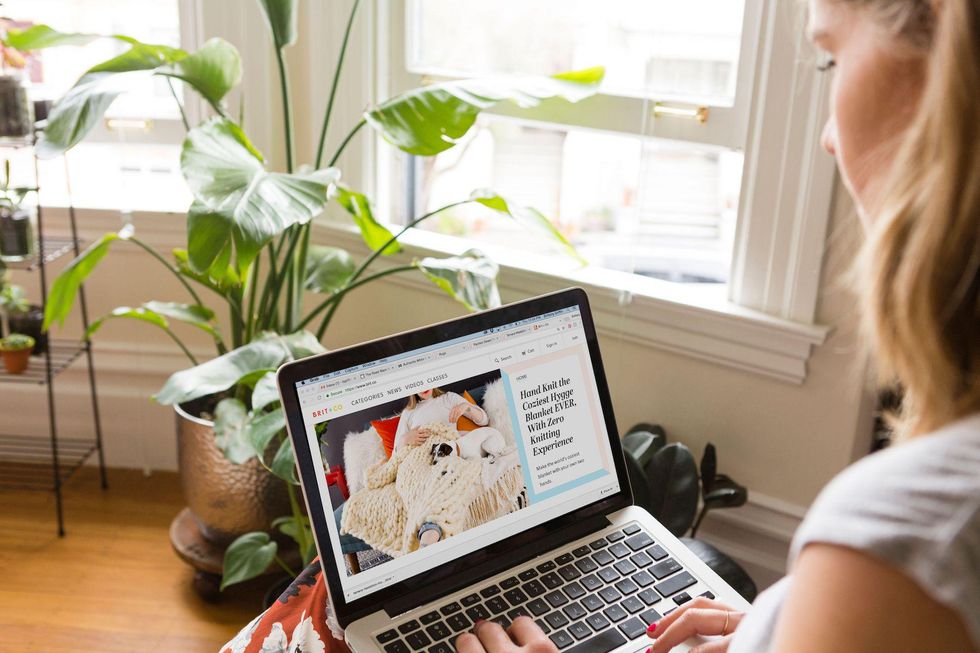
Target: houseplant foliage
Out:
[249,228]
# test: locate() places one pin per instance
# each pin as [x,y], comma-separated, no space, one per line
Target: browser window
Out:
[431,454]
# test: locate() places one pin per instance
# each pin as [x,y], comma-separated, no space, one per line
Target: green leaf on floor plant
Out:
[374,233]
[529,217]
[65,287]
[213,69]
[426,121]
[230,416]
[238,198]
[470,278]
[38,37]
[221,283]
[261,428]
[247,557]
[327,268]
[284,463]
[281,18]
[138,313]
[157,313]
[265,391]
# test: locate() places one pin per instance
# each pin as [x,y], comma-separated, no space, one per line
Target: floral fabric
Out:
[300,621]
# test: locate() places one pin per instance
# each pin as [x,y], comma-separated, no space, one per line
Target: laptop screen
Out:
[431,454]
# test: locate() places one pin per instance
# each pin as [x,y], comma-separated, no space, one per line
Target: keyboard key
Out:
[597,621]
[534,588]
[564,559]
[649,596]
[477,612]
[598,544]
[472,599]
[591,582]
[642,578]
[438,631]
[527,574]
[429,617]
[556,599]
[538,607]
[632,604]
[602,643]
[615,537]
[581,551]
[487,592]
[608,574]
[615,613]
[579,630]
[640,559]
[450,608]
[543,625]
[387,636]
[625,567]
[633,628]
[574,611]
[515,597]
[556,619]
[569,573]
[408,627]
[619,550]
[656,552]
[609,594]
[585,565]
[707,595]
[397,646]
[632,528]
[675,584]
[561,639]
[545,567]
[417,640]
[665,568]
[592,602]
[551,580]
[602,557]
[508,583]
[650,616]
[573,590]
[518,612]
[442,647]
[626,586]
[458,622]
[682,598]
[639,541]
[496,605]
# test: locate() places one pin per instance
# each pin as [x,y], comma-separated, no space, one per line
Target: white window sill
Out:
[695,320]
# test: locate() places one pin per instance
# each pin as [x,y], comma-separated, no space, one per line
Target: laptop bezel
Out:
[291,373]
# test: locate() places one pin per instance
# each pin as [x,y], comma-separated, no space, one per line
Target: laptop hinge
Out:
[475,574]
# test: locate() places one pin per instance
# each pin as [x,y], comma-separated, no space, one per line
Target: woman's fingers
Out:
[469,643]
[492,636]
[526,633]
[702,618]
[717,646]
[700,602]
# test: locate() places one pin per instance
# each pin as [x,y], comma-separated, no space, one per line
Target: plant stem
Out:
[287,112]
[180,107]
[335,297]
[182,346]
[265,309]
[299,263]
[289,274]
[333,86]
[347,140]
[254,284]
[286,567]
[237,321]
[298,519]
[152,252]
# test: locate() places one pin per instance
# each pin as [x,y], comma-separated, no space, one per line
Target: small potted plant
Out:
[17,221]
[15,350]
[21,316]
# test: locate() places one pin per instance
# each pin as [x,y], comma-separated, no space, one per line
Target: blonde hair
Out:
[413,401]
[919,266]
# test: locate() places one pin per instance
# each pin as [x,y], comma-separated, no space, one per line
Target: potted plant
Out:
[16,352]
[17,221]
[249,246]
[21,316]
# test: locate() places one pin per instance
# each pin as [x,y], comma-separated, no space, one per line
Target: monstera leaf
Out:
[430,120]
[213,70]
[470,278]
[375,235]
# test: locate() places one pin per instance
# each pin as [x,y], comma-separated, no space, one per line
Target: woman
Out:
[888,558]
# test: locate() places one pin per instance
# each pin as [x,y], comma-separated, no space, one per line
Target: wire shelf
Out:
[26,462]
[54,247]
[63,354]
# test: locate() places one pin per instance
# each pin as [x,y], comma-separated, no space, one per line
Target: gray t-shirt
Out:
[916,506]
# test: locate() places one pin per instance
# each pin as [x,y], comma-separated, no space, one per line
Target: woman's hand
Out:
[415,437]
[458,411]
[702,616]
[523,635]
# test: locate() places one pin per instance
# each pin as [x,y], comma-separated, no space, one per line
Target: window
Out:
[129,161]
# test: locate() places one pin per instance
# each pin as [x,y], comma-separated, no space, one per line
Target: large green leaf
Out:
[254,359]
[426,121]
[262,427]
[281,17]
[374,233]
[220,281]
[327,268]
[65,287]
[243,202]
[284,463]
[529,217]
[37,37]
[470,278]
[230,417]
[265,392]
[156,313]
[247,557]
[213,70]
[138,313]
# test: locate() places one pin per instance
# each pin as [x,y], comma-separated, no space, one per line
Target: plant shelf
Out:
[26,462]
[63,354]
[53,248]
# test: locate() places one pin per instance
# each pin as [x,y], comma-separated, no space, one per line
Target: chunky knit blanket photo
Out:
[408,490]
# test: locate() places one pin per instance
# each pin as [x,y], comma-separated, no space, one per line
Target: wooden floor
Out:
[112,583]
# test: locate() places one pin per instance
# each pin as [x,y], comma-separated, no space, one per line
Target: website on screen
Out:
[434,453]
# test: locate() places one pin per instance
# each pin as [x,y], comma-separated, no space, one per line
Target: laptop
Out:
[520,506]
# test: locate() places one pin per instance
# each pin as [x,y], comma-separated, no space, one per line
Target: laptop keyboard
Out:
[596,597]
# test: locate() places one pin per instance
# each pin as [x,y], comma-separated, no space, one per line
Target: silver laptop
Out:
[472,470]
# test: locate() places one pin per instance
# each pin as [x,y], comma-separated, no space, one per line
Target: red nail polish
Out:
[652,627]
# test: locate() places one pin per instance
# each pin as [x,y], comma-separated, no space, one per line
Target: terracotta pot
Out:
[226,500]
[15,362]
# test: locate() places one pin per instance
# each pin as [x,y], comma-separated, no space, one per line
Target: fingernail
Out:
[652,627]
[478,622]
